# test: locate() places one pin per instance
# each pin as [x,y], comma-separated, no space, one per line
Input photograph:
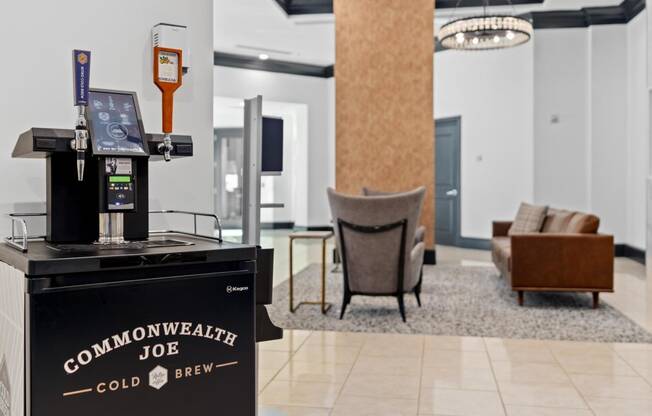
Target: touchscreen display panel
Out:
[114,125]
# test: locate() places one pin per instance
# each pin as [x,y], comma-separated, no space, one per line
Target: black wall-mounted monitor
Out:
[115,125]
[272,146]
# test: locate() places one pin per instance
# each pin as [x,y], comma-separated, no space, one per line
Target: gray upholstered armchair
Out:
[419,234]
[375,236]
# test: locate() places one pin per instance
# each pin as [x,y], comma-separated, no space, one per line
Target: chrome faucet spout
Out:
[166,147]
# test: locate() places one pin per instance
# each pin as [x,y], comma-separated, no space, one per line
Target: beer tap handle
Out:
[167,77]
[82,65]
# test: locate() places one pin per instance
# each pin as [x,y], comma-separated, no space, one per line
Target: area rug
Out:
[457,300]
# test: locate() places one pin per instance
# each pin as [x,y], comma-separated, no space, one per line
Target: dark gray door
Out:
[447,171]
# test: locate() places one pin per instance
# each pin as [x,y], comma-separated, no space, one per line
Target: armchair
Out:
[372,238]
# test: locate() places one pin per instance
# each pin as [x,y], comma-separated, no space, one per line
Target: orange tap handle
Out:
[167,82]
[168,104]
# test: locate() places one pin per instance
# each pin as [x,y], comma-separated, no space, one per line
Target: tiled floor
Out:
[325,373]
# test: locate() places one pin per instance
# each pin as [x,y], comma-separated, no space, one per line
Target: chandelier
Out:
[489,31]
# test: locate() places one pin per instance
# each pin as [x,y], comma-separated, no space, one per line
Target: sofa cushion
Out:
[529,219]
[557,221]
[583,224]
[501,253]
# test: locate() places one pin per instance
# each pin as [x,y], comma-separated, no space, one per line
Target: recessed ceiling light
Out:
[263,57]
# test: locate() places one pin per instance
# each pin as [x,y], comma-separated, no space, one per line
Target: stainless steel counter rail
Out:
[217,225]
[21,242]
[19,218]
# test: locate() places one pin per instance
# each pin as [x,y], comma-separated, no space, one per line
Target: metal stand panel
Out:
[253,138]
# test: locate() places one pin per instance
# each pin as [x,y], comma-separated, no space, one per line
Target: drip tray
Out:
[153,242]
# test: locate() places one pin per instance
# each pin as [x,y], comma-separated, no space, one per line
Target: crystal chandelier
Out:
[489,31]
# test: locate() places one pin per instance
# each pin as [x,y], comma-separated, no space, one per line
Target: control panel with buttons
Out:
[120,193]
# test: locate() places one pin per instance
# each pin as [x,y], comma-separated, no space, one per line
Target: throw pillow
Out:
[529,219]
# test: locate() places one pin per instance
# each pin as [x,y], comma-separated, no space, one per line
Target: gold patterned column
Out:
[384,98]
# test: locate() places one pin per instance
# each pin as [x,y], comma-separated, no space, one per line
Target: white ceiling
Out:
[242,24]
[251,27]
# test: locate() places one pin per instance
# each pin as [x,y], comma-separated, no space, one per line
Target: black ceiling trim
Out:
[298,7]
[451,4]
[587,16]
[549,19]
[271,65]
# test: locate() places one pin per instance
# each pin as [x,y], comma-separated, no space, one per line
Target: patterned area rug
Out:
[457,300]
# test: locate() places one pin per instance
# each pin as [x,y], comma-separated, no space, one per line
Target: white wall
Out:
[492,92]
[561,96]
[595,158]
[638,130]
[39,37]
[317,94]
[608,128]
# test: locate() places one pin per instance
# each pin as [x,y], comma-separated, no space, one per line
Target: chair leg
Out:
[345,301]
[521,298]
[596,300]
[401,306]
[417,293]
[417,289]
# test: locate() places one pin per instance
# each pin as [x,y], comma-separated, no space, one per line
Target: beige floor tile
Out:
[545,411]
[639,360]
[461,359]
[264,377]
[291,341]
[340,339]
[271,410]
[406,340]
[619,407]
[348,405]
[388,366]
[394,348]
[506,343]
[327,354]
[315,371]
[447,255]
[603,363]
[630,346]
[517,372]
[273,360]
[454,343]
[530,355]
[636,357]
[458,378]
[617,387]
[295,393]
[396,387]
[460,403]
[541,394]
[569,347]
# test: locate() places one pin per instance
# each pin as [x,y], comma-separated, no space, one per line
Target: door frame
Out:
[457,238]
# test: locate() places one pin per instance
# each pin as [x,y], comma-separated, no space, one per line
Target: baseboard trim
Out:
[430,256]
[474,243]
[633,253]
[276,225]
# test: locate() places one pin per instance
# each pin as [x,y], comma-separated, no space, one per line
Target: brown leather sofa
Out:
[567,255]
